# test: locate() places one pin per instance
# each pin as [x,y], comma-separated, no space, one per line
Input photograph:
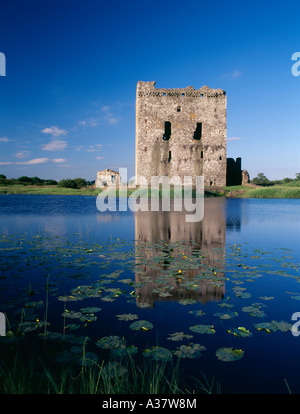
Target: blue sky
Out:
[67,101]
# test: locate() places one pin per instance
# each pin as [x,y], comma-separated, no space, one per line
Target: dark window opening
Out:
[178,108]
[201,154]
[167,133]
[198,131]
[220,157]
[210,183]
[169,159]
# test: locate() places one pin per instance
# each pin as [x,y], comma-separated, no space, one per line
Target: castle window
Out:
[183,94]
[198,131]
[201,154]
[167,133]
[220,157]
[169,159]
[178,108]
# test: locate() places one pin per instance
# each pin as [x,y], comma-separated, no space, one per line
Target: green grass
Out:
[288,190]
[276,191]
[51,190]
[155,377]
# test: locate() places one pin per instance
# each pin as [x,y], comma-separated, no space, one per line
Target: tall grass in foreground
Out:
[273,192]
[153,377]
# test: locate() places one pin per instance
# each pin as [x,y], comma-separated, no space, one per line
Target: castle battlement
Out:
[181,132]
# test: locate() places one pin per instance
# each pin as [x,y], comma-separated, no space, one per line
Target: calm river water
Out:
[217,295]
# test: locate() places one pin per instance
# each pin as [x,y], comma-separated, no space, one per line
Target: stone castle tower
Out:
[181,132]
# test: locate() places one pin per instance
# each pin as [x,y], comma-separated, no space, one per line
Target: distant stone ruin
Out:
[106,178]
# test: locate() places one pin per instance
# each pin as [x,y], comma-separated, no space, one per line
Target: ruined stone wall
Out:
[181,132]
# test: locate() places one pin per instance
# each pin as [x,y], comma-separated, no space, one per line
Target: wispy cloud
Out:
[232,75]
[234,139]
[109,116]
[89,122]
[34,161]
[56,145]
[99,158]
[4,139]
[22,154]
[93,148]
[54,131]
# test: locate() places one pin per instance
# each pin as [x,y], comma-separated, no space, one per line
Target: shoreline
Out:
[249,191]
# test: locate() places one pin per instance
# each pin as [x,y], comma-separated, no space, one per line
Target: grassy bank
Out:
[239,191]
[123,376]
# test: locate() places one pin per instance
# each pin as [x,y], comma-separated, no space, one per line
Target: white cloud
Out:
[22,154]
[234,139]
[54,131]
[58,160]
[34,161]
[4,139]
[109,116]
[99,158]
[232,75]
[92,122]
[93,148]
[56,145]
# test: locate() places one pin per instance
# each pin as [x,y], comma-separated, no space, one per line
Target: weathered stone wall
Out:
[106,177]
[181,132]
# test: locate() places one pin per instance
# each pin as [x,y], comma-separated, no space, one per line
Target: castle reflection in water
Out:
[176,260]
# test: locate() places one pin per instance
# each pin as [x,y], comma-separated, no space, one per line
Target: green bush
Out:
[76,183]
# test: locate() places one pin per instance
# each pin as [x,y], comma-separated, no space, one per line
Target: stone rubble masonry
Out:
[181,132]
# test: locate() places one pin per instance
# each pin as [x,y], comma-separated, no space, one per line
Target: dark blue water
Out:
[163,270]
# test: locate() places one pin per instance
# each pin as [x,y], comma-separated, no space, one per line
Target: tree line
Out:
[24,180]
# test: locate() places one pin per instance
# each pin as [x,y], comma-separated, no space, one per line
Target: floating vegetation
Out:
[265,326]
[179,336]
[240,331]
[158,353]
[203,329]
[124,350]
[127,317]
[190,351]
[229,354]
[226,315]
[132,282]
[110,342]
[141,325]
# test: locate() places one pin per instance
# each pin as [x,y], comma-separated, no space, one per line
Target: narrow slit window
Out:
[201,154]
[198,131]
[169,159]
[167,133]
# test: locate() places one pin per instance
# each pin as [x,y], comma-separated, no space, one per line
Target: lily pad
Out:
[179,336]
[141,325]
[110,342]
[91,309]
[226,315]
[124,351]
[240,331]
[189,351]
[265,326]
[282,326]
[187,302]
[127,317]
[229,354]
[71,314]
[158,353]
[203,329]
